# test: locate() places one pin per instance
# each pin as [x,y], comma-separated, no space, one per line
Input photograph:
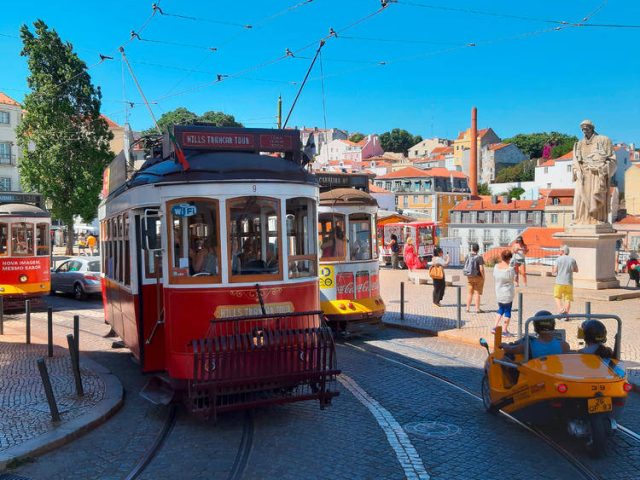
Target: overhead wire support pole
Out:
[322,42]
[135,80]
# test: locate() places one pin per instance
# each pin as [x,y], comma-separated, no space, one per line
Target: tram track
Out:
[585,470]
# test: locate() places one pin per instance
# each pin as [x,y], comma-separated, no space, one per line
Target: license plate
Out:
[599,404]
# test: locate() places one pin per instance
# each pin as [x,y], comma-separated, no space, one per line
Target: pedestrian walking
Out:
[504,276]
[82,244]
[395,249]
[409,255]
[436,272]
[564,269]
[91,244]
[519,250]
[633,268]
[474,271]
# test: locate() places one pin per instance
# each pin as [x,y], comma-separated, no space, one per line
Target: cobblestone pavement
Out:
[24,411]
[301,441]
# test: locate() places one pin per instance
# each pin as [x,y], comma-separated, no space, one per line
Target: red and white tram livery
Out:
[210,268]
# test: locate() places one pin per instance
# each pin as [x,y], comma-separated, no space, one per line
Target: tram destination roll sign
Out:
[239,139]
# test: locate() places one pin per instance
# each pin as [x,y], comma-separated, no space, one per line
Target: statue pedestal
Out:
[594,248]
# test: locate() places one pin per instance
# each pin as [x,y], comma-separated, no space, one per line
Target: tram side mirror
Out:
[484,343]
[151,230]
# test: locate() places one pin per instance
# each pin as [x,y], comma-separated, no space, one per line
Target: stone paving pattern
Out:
[24,411]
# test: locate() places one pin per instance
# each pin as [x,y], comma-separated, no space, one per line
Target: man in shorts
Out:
[564,269]
[474,271]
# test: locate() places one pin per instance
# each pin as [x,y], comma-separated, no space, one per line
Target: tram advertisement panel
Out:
[24,270]
[349,281]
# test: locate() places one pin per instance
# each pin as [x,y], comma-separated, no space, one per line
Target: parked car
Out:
[79,276]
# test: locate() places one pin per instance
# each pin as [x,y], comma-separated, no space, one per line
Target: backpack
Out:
[471,268]
[436,272]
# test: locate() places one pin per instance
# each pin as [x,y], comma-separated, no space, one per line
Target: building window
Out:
[569,167]
[504,237]
[415,199]
[5,153]
[487,237]
[5,184]
[548,185]
[5,118]
[546,169]
[454,232]
[554,218]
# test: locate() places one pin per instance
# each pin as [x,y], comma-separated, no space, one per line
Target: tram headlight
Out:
[23,278]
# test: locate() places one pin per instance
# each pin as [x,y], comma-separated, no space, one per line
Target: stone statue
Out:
[594,163]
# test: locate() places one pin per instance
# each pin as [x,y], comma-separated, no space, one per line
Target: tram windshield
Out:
[254,237]
[360,247]
[331,228]
[42,239]
[300,237]
[22,238]
[196,239]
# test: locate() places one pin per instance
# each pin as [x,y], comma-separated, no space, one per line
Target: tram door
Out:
[149,253]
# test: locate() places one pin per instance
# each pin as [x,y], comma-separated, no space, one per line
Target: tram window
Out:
[360,236]
[254,237]
[300,237]
[4,236]
[152,238]
[120,249]
[195,239]
[127,255]
[331,236]
[42,239]
[22,238]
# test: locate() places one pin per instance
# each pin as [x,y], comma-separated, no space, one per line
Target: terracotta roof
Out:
[498,146]
[439,150]
[467,133]
[410,172]
[483,204]
[542,237]
[548,163]
[349,142]
[110,122]
[379,163]
[7,100]
[630,220]
[566,156]
[373,188]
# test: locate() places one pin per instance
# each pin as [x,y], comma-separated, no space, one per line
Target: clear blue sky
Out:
[549,80]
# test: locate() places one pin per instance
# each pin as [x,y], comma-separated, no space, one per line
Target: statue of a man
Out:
[594,163]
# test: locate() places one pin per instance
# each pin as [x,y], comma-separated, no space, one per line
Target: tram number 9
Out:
[253,188]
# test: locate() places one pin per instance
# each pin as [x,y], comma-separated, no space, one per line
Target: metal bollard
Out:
[75,364]
[519,314]
[1,314]
[50,331]
[402,301]
[459,313]
[587,309]
[27,308]
[76,332]
[48,390]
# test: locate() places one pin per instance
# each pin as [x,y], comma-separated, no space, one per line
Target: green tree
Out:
[182,116]
[515,193]
[483,189]
[521,172]
[356,137]
[62,119]
[219,119]
[398,140]
[532,144]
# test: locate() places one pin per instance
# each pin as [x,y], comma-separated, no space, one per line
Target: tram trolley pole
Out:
[401,301]
[27,308]
[48,390]
[1,314]
[75,364]
[520,296]
[50,332]
[587,310]
[459,306]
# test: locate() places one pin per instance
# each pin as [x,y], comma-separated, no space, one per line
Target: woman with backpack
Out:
[474,271]
[436,272]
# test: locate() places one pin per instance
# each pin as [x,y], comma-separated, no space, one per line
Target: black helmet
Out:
[594,331]
[544,325]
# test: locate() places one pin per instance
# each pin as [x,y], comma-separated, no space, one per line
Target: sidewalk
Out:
[25,419]
[421,315]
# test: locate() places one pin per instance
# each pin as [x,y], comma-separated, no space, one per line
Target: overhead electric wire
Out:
[177,44]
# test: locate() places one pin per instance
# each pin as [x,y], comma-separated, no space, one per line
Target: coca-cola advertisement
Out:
[344,286]
[362,284]
[375,285]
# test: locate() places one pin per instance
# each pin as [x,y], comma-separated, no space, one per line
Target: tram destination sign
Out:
[237,139]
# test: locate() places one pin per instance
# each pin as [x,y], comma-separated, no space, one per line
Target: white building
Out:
[425,147]
[10,117]
[347,151]
[320,137]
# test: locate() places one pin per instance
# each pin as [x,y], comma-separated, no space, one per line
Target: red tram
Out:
[24,253]
[210,269]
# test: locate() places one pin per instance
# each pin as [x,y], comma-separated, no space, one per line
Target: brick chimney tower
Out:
[473,161]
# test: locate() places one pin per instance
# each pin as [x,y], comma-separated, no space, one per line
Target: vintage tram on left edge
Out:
[24,250]
[210,271]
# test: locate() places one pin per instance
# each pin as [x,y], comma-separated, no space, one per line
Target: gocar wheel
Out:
[486,394]
[600,431]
